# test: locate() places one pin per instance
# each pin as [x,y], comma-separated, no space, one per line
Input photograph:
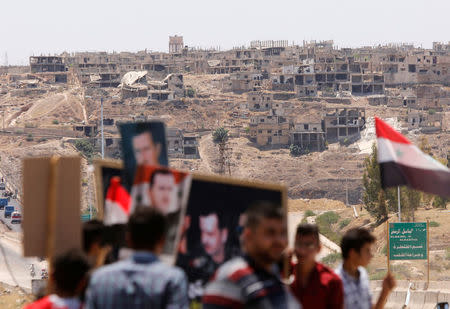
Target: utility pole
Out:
[399,206]
[101,116]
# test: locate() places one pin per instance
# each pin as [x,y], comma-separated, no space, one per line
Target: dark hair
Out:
[92,233]
[159,171]
[355,239]
[69,269]
[146,227]
[221,218]
[262,210]
[306,229]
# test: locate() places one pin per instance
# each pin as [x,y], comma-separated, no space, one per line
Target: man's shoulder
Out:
[43,303]
[233,270]
[160,269]
[327,274]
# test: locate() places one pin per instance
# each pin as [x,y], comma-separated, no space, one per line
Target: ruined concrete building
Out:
[269,130]
[343,123]
[308,135]
[175,44]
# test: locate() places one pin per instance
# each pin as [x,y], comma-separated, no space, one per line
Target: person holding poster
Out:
[252,280]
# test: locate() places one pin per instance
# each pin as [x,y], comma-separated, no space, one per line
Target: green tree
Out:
[374,197]
[220,137]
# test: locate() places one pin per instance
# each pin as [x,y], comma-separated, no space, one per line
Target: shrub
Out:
[434,224]
[329,217]
[324,222]
[55,121]
[190,92]
[42,139]
[29,138]
[344,223]
[309,213]
[332,258]
[85,147]
[447,254]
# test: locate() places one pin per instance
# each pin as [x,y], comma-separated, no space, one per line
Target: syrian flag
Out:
[402,163]
[117,203]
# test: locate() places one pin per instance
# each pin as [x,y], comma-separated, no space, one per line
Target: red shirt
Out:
[54,302]
[323,290]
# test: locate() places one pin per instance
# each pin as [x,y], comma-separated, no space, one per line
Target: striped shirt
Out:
[238,284]
[356,291]
[141,281]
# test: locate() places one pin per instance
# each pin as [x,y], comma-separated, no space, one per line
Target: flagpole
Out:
[399,206]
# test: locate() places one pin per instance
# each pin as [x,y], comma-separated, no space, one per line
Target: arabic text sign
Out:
[408,241]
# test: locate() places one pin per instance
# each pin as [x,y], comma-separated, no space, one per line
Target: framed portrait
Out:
[143,144]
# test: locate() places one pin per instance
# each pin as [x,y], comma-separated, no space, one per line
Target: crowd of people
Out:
[257,278]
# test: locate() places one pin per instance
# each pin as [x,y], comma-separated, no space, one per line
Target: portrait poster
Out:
[154,186]
[143,144]
[213,224]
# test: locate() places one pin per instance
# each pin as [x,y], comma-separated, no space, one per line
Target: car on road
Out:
[2,186]
[8,211]
[3,203]
[16,218]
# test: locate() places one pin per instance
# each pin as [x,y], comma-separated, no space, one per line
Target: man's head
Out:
[69,273]
[146,229]
[264,237]
[307,243]
[146,150]
[213,236]
[356,246]
[162,184]
[92,237]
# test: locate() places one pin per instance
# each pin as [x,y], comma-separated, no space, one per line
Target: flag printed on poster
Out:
[117,203]
[402,163]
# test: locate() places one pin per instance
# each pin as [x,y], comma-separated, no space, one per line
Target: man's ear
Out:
[160,245]
[319,247]
[128,240]
[158,148]
[224,235]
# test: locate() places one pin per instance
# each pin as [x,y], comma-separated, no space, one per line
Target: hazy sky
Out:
[52,26]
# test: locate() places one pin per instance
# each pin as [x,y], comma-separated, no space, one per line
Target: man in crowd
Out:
[314,285]
[67,282]
[162,191]
[142,281]
[253,281]
[146,150]
[356,246]
[93,244]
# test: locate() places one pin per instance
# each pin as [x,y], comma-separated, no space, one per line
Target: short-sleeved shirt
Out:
[141,281]
[323,289]
[356,290]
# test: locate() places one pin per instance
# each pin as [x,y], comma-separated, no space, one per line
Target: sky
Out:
[53,26]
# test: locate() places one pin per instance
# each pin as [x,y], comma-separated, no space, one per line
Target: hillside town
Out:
[298,115]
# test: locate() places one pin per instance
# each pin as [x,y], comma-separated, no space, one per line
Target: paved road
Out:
[11,253]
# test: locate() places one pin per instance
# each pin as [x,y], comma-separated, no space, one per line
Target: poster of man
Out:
[167,190]
[213,224]
[143,144]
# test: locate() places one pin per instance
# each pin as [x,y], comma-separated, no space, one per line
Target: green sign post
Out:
[408,241]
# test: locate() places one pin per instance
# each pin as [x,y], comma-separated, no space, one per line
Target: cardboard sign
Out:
[51,205]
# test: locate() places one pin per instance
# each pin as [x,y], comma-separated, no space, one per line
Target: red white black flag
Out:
[117,203]
[402,163]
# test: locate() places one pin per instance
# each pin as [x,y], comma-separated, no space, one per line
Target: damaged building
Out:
[343,123]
